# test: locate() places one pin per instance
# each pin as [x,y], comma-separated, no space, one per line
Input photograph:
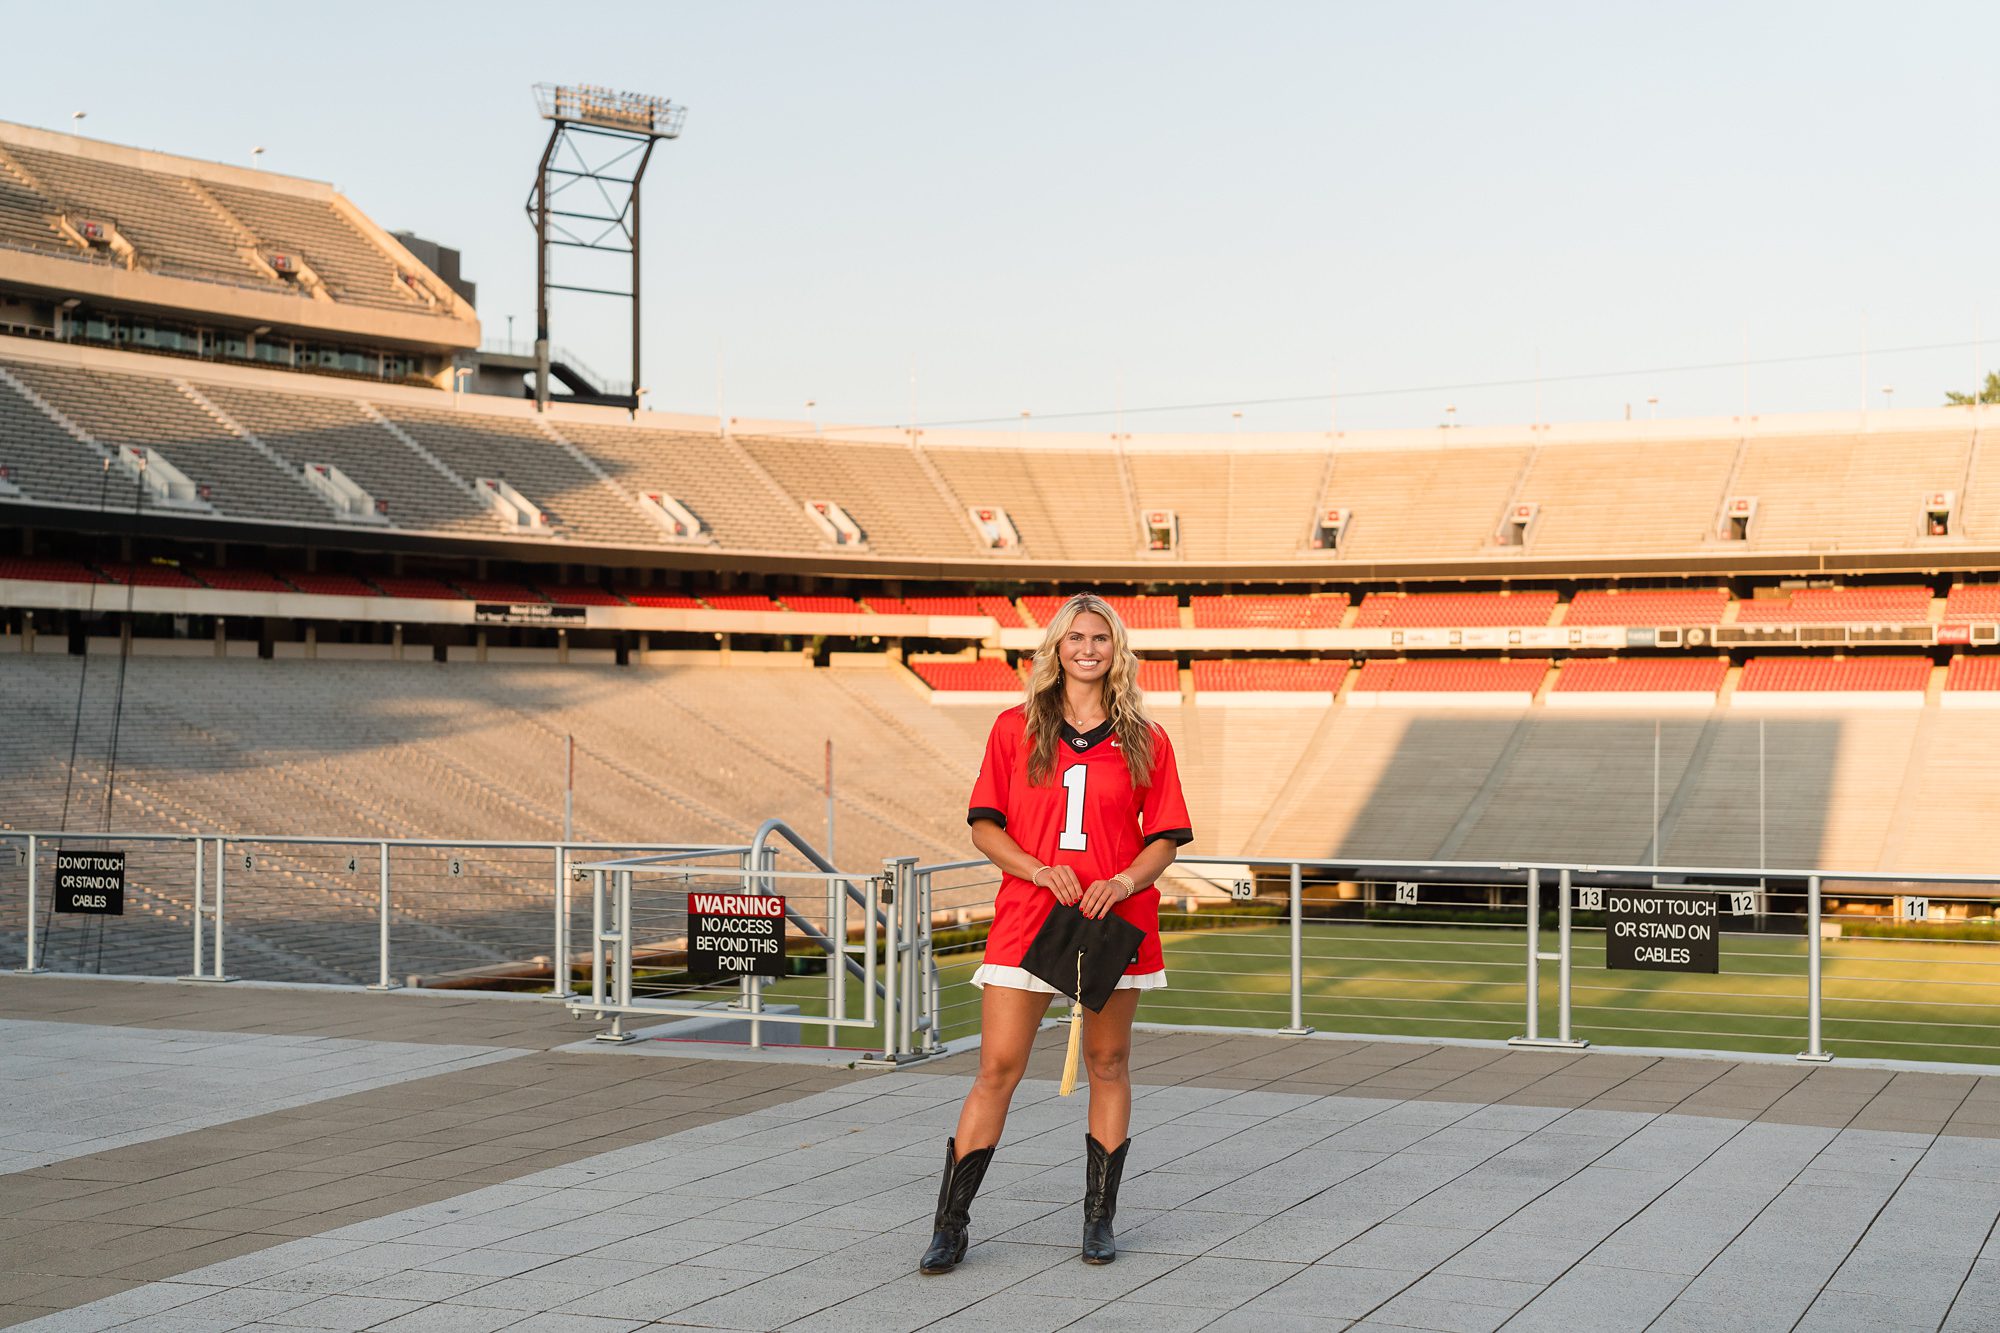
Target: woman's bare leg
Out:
[1107,1054]
[1008,1020]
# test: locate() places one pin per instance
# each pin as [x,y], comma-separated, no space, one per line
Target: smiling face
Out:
[1085,651]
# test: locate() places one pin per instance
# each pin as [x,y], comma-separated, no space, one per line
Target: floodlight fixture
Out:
[586,195]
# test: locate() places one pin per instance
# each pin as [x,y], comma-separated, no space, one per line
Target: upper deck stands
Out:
[1839,606]
[712,476]
[1647,497]
[883,488]
[1973,601]
[1048,495]
[27,216]
[1847,492]
[355,270]
[1648,606]
[1418,504]
[1432,610]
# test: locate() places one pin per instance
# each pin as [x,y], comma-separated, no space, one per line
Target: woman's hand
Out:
[1101,896]
[1062,882]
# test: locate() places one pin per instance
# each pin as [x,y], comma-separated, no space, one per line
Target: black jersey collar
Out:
[1078,742]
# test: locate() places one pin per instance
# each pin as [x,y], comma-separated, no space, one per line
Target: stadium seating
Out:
[1648,606]
[1838,606]
[145,575]
[985,676]
[1973,673]
[1283,675]
[47,571]
[1821,675]
[1251,612]
[1972,601]
[239,580]
[712,476]
[668,601]
[27,216]
[355,271]
[1453,609]
[1846,492]
[1159,675]
[1447,676]
[1231,506]
[497,590]
[1596,499]
[1422,504]
[883,487]
[1641,675]
[814,604]
[174,229]
[330,585]
[726,601]
[305,429]
[512,450]
[567,594]
[1136,612]
[1066,504]
[397,586]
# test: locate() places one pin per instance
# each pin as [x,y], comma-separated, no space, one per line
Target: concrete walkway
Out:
[1272,1185]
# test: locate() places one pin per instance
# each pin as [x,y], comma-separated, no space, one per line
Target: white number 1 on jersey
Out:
[1073,778]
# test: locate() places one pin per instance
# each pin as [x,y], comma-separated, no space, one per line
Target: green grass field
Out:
[1910,999]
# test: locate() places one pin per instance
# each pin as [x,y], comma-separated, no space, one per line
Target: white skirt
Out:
[1014,978]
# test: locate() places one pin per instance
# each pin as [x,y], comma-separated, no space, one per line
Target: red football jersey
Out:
[1089,818]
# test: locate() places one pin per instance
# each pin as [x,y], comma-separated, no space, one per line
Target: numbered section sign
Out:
[91,882]
[736,934]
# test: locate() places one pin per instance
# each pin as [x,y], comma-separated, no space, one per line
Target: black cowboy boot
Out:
[961,1181]
[1101,1171]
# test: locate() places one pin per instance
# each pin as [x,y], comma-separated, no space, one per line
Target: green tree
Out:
[1988,394]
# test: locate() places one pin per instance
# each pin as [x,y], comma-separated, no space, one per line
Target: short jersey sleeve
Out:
[996,774]
[1163,810]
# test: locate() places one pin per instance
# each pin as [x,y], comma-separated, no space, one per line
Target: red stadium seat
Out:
[46,571]
[812,604]
[498,590]
[393,586]
[660,601]
[1319,612]
[1136,612]
[1436,610]
[1969,672]
[1249,675]
[330,585]
[147,576]
[1649,606]
[732,601]
[1839,606]
[1844,675]
[985,676]
[1973,601]
[575,595]
[1641,675]
[1453,676]
[240,580]
[1159,675]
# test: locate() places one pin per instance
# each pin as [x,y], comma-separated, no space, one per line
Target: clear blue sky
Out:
[1048,206]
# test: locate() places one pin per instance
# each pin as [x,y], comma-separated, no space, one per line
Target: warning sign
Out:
[736,934]
[1661,930]
[92,882]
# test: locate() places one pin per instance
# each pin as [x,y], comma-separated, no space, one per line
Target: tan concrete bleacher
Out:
[706,474]
[1044,492]
[1241,505]
[1197,488]
[1597,499]
[881,486]
[306,429]
[28,217]
[1234,763]
[355,270]
[1846,491]
[154,414]
[47,463]
[172,229]
[511,449]
[1422,503]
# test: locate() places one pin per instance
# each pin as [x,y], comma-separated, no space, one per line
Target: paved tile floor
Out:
[1273,1185]
[1251,1210]
[69,1089]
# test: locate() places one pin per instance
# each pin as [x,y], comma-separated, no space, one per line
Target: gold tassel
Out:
[1075,1036]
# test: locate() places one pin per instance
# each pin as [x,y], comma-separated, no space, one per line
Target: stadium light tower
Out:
[586,193]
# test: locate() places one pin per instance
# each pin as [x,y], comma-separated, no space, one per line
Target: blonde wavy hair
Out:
[1124,703]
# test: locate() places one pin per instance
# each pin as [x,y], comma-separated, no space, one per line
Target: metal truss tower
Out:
[586,196]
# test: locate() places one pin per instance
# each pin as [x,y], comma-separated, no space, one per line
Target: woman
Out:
[1078,802]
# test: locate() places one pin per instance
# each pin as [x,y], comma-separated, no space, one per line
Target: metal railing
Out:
[380,912]
[1876,964]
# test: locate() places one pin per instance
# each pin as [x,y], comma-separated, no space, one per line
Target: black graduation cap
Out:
[1083,956]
